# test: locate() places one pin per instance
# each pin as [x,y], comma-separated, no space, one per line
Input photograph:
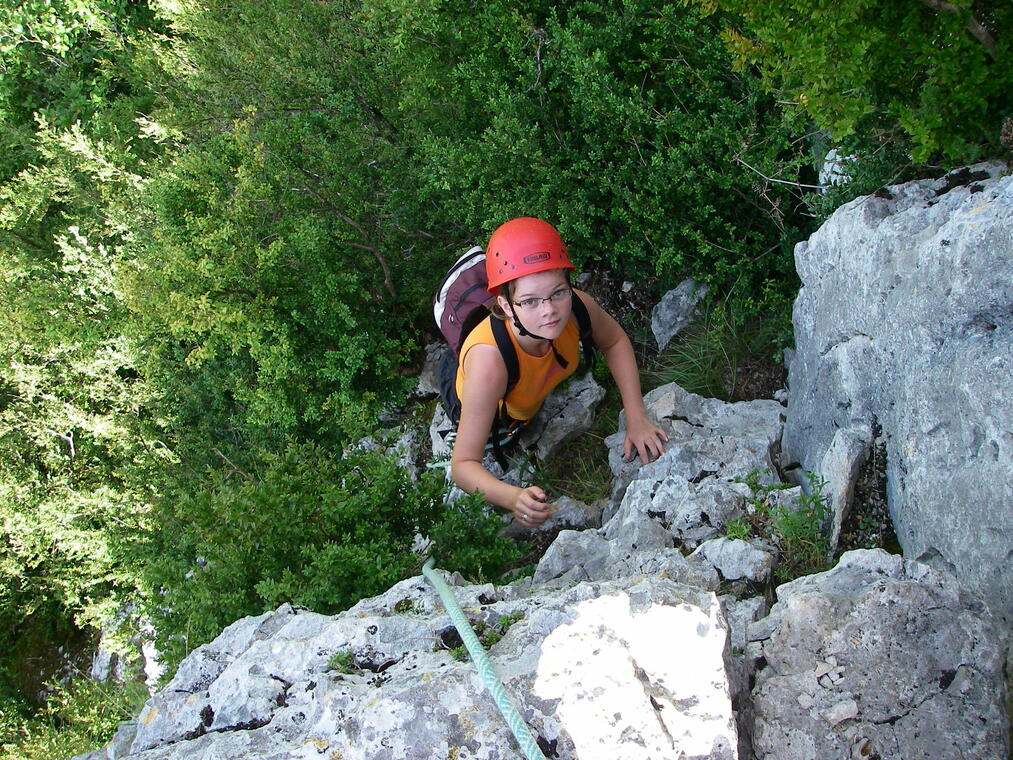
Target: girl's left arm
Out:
[642,435]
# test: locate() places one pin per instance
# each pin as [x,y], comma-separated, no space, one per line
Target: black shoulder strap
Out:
[584,326]
[507,351]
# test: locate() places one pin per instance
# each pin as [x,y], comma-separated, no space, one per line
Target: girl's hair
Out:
[495,308]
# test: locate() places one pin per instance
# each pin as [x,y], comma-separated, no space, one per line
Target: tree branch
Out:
[974,27]
[388,279]
[778,181]
[68,439]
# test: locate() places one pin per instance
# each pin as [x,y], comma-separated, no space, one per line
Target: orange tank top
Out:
[537,375]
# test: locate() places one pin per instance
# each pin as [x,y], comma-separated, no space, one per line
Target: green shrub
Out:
[309,528]
[623,123]
[935,77]
[488,635]
[77,718]
[738,529]
[342,662]
[801,534]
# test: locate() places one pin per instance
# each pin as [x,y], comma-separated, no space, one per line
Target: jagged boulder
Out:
[675,310]
[905,323]
[678,501]
[879,657]
[708,440]
[622,647]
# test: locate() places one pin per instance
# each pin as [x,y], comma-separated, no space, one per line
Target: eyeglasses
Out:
[530,304]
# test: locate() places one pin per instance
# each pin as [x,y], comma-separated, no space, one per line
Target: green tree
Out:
[934,74]
[70,396]
[271,261]
[623,122]
[336,155]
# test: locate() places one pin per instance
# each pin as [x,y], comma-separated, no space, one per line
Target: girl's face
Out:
[542,301]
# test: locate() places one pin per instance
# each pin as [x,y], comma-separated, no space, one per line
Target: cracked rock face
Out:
[675,310]
[905,322]
[634,665]
[879,654]
[879,657]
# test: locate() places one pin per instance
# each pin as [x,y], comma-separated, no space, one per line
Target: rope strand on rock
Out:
[491,681]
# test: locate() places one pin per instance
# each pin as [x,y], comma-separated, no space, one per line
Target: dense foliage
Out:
[624,124]
[220,224]
[934,75]
[312,529]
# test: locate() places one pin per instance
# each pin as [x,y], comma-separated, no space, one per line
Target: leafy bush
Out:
[270,252]
[79,717]
[936,76]
[309,528]
[329,158]
[622,122]
[273,308]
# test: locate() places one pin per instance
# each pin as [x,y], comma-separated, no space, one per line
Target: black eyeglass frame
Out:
[530,304]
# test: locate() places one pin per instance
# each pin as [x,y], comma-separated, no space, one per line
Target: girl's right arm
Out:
[484,386]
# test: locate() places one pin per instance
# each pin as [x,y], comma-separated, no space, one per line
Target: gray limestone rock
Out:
[881,652]
[905,323]
[429,379]
[740,614]
[569,514]
[586,555]
[736,559]
[634,665]
[708,438]
[676,511]
[567,412]
[674,311]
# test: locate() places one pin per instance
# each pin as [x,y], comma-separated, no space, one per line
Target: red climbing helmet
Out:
[523,246]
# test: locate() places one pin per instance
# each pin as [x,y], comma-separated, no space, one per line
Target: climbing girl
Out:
[528,270]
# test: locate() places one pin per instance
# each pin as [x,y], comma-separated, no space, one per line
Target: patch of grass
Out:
[799,531]
[342,662]
[580,468]
[723,353]
[407,606]
[488,635]
[801,536]
[738,528]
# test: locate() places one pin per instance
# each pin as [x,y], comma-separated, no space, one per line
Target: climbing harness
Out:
[491,681]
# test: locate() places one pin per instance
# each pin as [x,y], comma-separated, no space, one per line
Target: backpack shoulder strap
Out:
[507,351]
[584,326]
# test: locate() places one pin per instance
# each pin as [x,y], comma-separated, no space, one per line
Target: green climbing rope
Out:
[478,655]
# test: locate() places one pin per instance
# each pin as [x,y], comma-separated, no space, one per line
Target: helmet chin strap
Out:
[524,332]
